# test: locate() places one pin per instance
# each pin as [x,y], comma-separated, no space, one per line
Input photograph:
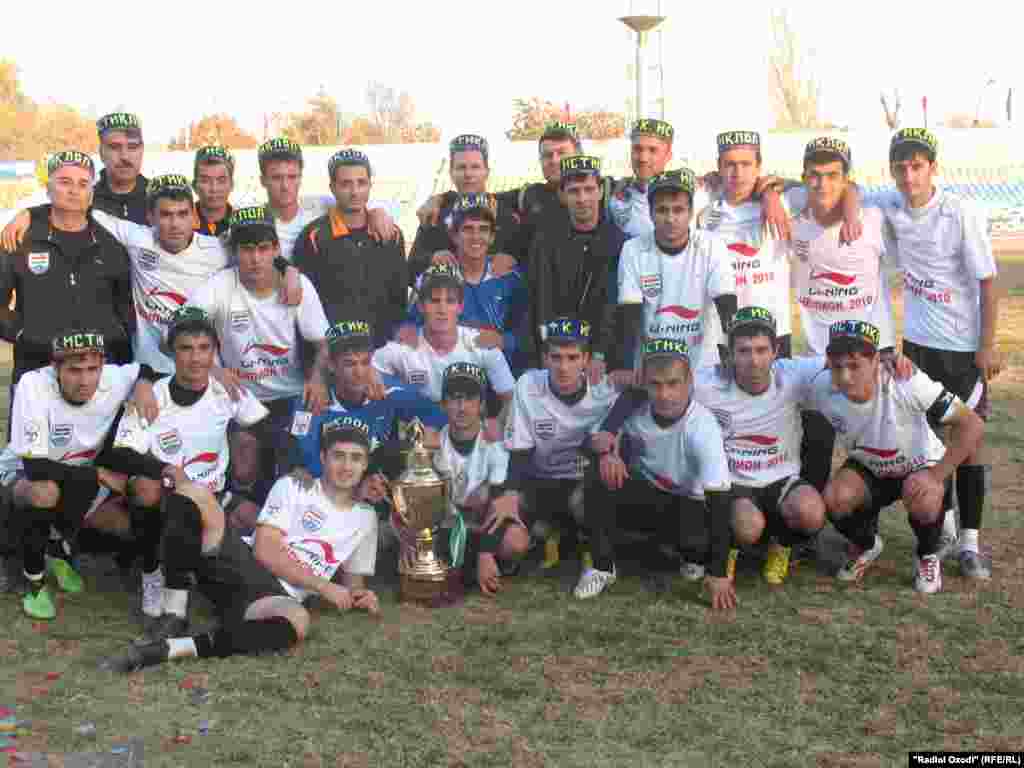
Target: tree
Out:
[796,88]
[319,125]
[222,130]
[29,131]
[531,115]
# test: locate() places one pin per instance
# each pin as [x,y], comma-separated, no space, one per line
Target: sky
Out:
[464,63]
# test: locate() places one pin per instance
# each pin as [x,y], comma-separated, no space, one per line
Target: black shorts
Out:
[956,371]
[232,579]
[884,491]
[769,498]
[551,500]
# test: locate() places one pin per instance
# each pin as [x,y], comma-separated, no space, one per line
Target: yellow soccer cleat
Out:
[551,554]
[586,559]
[730,566]
[776,564]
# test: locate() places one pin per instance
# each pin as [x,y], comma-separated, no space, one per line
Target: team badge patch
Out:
[650,285]
[170,442]
[239,320]
[60,434]
[31,432]
[301,422]
[39,263]
[147,259]
[802,249]
[312,519]
[839,424]
[724,419]
[545,429]
[417,378]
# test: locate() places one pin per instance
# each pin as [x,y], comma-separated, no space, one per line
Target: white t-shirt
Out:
[161,281]
[760,263]
[539,420]
[683,459]
[321,537]
[260,337]
[678,292]
[890,435]
[944,250]
[311,208]
[193,437]
[423,368]
[847,282]
[473,475]
[46,426]
[762,432]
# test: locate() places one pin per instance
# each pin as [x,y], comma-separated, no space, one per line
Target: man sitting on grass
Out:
[303,537]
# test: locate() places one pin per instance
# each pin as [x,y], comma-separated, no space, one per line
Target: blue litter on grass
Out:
[204,727]
[119,750]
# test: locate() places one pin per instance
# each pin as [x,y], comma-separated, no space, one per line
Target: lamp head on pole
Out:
[641,25]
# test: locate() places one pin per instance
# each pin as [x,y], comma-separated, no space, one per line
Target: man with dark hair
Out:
[261,342]
[886,427]
[303,538]
[281,167]
[469,158]
[61,417]
[355,276]
[496,305]
[213,177]
[552,415]
[677,281]
[670,475]
[66,273]
[188,439]
[573,262]
[121,189]
[488,508]
[650,152]
[950,308]
[442,341]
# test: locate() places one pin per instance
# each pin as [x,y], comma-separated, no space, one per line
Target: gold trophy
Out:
[421,498]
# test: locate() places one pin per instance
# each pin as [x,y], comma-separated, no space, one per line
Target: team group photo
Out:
[694,464]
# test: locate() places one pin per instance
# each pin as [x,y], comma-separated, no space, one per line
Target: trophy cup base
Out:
[413,590]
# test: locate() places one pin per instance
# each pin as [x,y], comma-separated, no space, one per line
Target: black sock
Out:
[147,526]
[181,546]
[970,493]
[859,527]
[928,536]
[790,537]
[273,634]
[35,536]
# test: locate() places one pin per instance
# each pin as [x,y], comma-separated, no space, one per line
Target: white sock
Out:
[181,647]
[949,523]
[969,540]
[157,574]
[176,601]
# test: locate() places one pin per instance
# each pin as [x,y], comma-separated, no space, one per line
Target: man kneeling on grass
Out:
[303,537]
[885,425]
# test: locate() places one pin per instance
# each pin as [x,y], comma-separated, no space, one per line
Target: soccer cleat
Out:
[928,574]
[167,626]
[805,551]
[776,565]
[551,553]
[136,657]
[593,582]
[974,566]
[65,575]
[153,594]
[38,603]
[858,560]
[691,571]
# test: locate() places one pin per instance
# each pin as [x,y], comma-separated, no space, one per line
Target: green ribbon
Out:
[457,540]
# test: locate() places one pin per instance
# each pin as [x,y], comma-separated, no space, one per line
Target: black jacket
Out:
[431,239]
[54,294]
[356,277]
[131,206]
[575,275]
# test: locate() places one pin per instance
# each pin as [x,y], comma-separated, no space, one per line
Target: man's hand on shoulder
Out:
[14,232]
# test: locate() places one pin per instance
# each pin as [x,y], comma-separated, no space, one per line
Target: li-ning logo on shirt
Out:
[76,455]
[837,278]
[882,453]
[270,349]
[684,313]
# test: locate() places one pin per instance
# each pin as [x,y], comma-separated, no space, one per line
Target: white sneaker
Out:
[928,574]
[593,582]
[153,593]
[691,571]
[857,560]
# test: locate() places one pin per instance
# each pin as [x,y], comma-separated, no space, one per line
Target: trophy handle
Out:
[398,502]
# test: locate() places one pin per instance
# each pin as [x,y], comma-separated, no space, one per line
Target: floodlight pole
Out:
[641,25]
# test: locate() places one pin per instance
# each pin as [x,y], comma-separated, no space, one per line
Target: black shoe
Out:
[659,583]
[136,657]
[167,626]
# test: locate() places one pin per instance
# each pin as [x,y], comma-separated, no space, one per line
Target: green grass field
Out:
[810,674]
